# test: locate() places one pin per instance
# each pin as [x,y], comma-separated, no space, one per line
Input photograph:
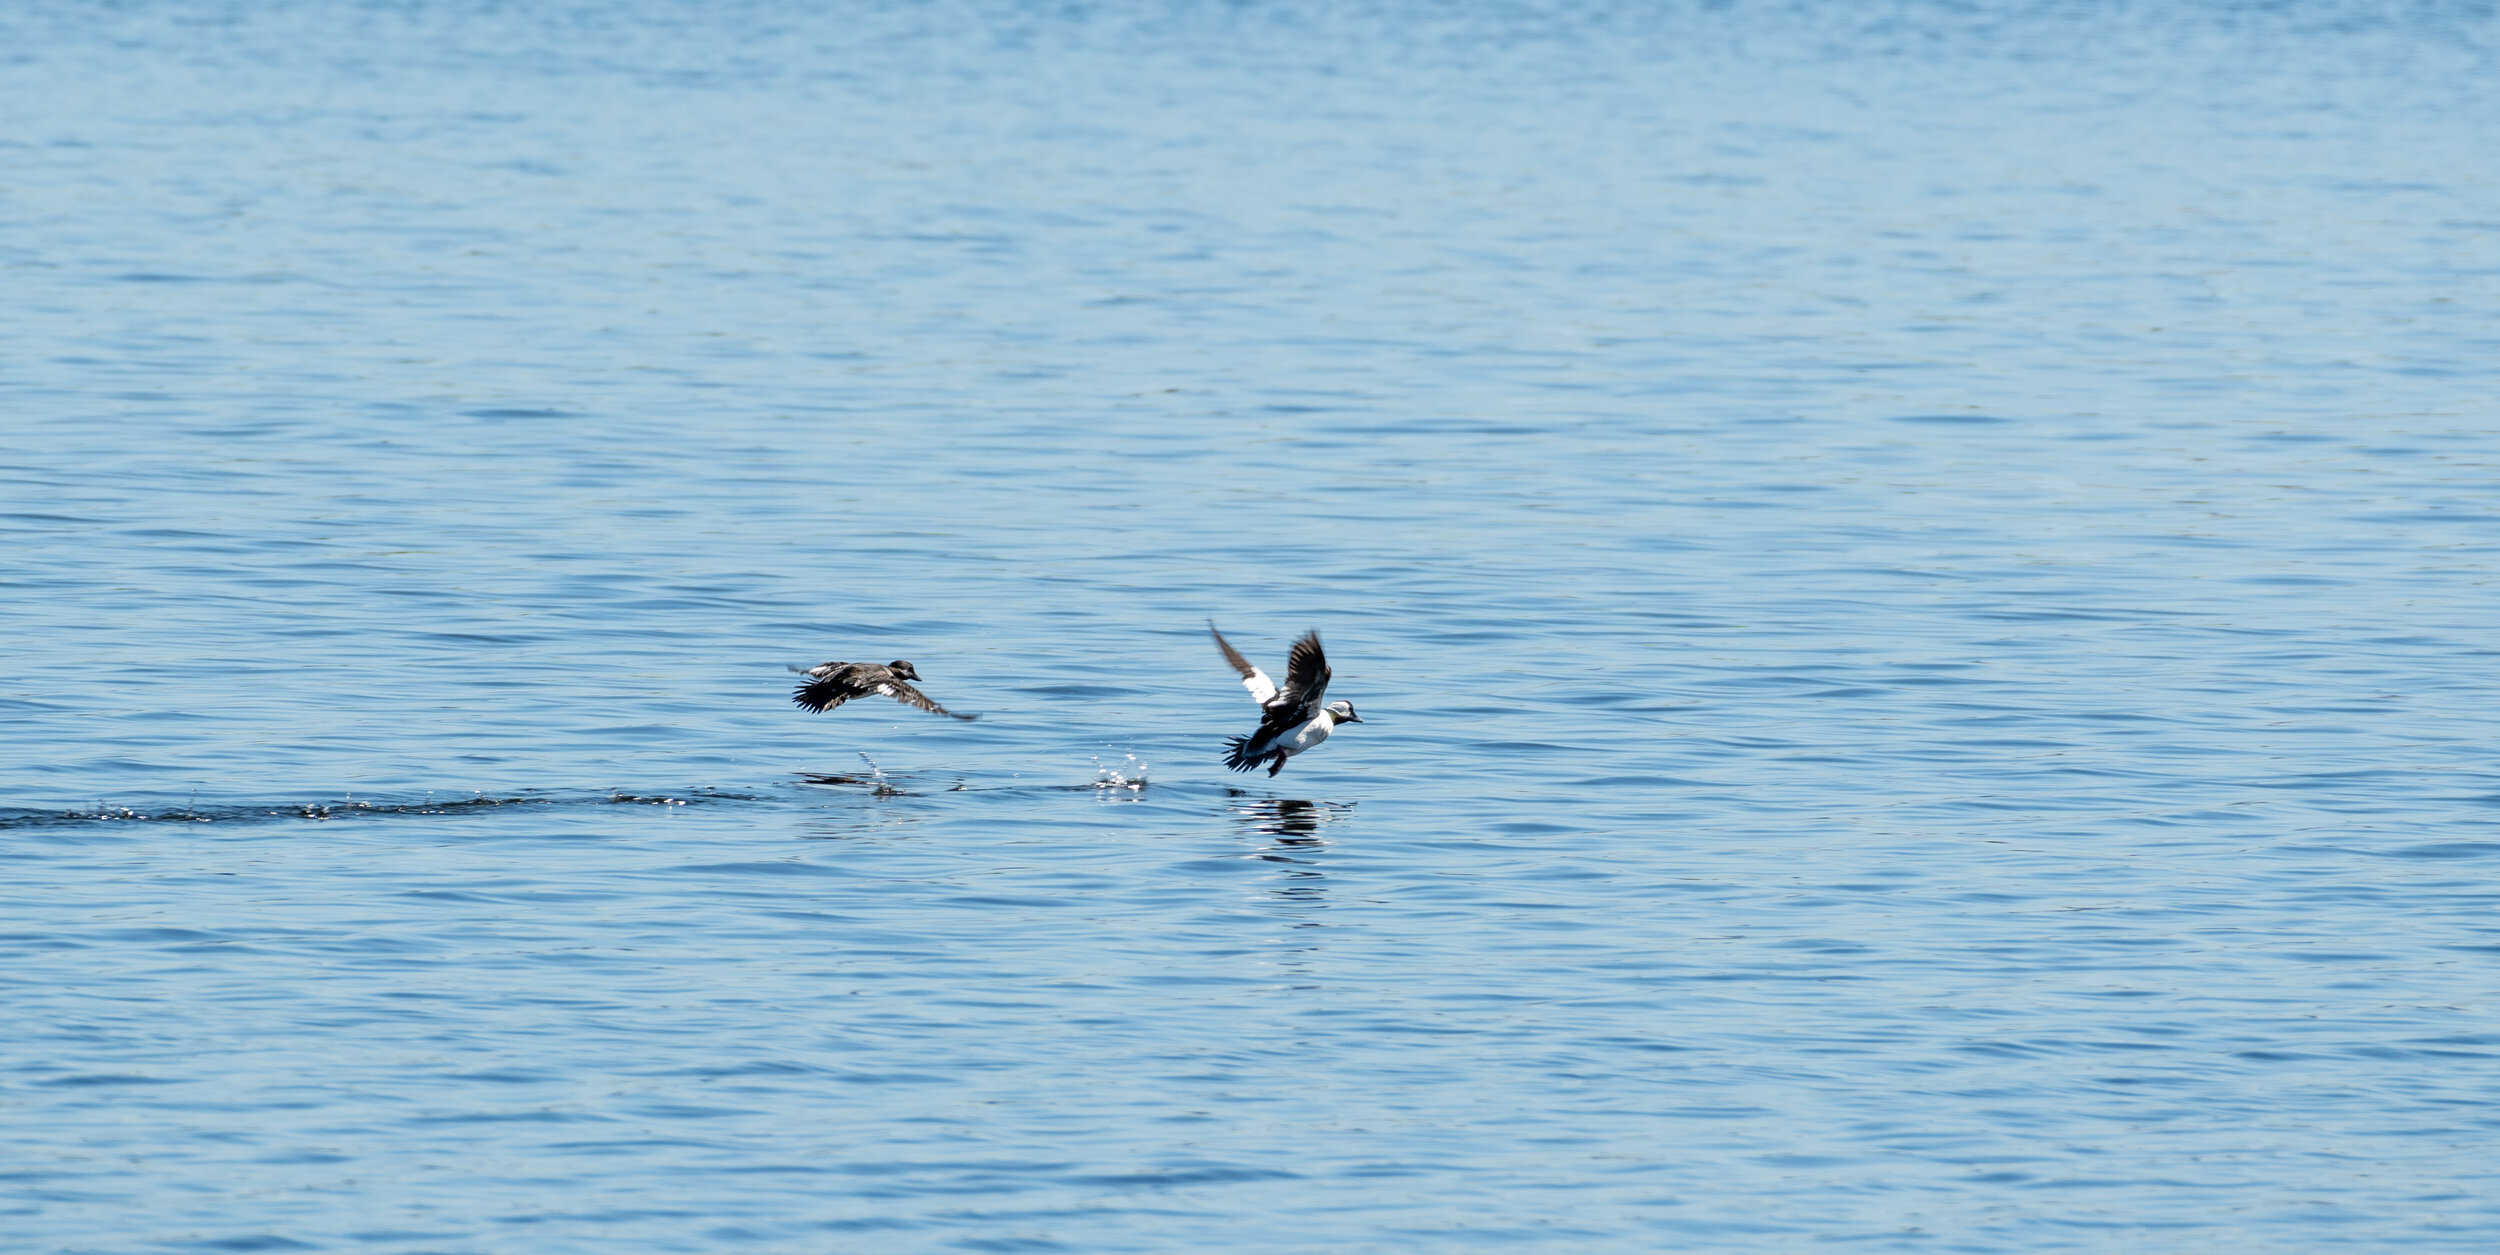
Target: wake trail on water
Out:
[1127,777]
[346,808]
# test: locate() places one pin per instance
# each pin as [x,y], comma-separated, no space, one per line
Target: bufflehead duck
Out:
[837,682]
[1293,719]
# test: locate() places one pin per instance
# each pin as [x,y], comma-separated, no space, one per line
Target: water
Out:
[1921,579]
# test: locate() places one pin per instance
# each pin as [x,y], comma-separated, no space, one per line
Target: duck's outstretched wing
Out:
[910,696]
[1262,689]
[1306,675]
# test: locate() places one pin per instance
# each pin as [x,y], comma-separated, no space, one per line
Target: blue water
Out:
[1924,581]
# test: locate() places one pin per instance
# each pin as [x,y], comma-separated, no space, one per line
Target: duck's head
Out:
[902,670]
[1343,712]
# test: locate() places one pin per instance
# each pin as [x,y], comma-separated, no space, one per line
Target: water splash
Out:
[878,784]
[622,798]
[1129,774]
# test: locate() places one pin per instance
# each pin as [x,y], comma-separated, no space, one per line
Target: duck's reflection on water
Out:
[1293,822]
[1291,831]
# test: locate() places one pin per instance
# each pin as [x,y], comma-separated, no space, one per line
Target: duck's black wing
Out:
[910,696]
[1306,687]
[1306,673]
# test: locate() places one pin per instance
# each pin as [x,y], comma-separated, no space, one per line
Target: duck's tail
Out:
[1237,753]
[821,695]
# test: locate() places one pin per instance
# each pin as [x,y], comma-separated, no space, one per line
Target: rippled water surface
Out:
[1921,579]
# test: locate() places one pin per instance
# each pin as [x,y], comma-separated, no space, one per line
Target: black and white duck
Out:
[1292,719]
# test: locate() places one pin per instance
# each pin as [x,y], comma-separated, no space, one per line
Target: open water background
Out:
[1922,576]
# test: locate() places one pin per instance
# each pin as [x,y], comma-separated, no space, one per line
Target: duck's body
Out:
[1292,718]
[834,683]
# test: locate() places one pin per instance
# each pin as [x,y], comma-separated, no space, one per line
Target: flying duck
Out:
[1292,719]
[837,682]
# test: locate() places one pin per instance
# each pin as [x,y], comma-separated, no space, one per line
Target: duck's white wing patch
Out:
[910,696]
[1262,689]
